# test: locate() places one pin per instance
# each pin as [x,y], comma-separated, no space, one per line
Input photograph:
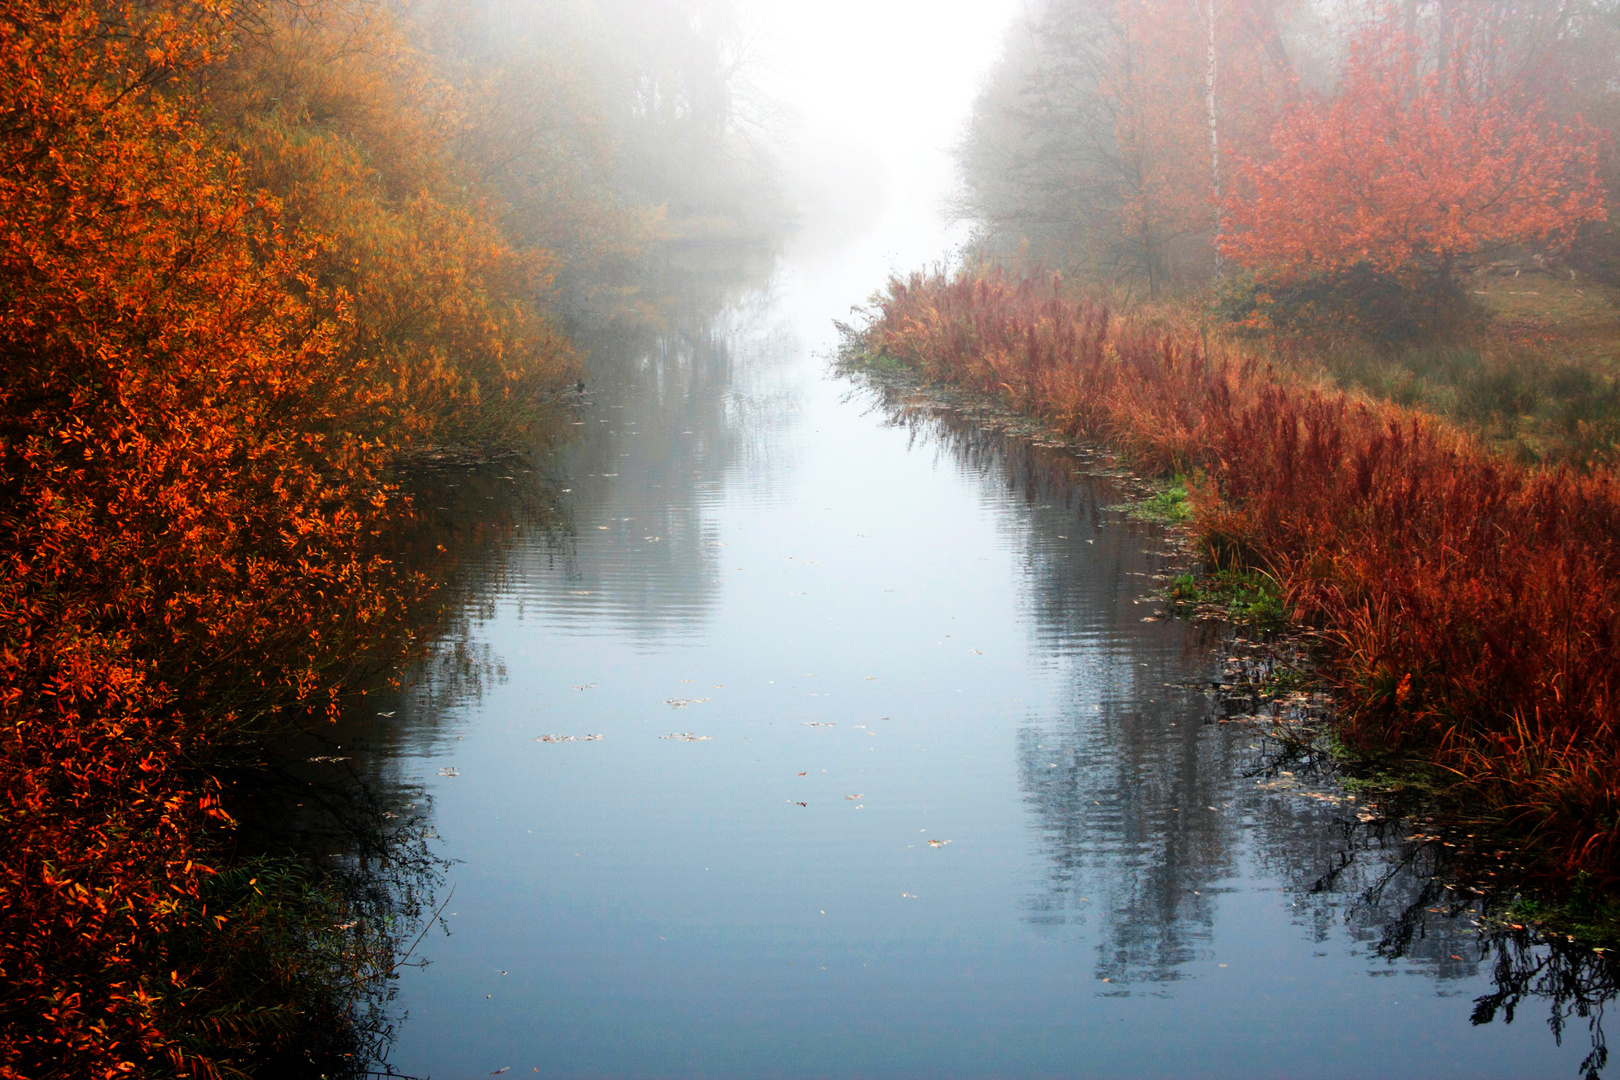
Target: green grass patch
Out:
[1168,507]
[1583,912]
[1249,597]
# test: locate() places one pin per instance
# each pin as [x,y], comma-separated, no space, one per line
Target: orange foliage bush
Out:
[1473,605]
[202,387]
[331,109]
[1409,171]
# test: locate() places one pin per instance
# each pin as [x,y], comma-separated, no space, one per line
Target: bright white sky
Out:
[885,71]
[892,78]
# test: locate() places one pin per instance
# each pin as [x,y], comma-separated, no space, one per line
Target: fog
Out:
[871,96]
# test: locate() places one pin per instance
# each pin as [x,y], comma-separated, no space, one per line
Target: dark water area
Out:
[774,732]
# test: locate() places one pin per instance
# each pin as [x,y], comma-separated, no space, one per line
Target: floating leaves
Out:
[686,736]
[566,738]
[450,770]
[587,686]
[937,843]
[681,703]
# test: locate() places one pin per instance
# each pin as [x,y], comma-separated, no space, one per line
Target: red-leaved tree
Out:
[1414,169]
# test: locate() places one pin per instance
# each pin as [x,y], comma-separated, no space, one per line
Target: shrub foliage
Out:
[220,319]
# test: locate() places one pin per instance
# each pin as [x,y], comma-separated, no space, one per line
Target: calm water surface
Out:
[938,801]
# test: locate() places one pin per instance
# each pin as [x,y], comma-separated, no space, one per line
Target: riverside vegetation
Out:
[1471,601]
[1352,272]
[253,256]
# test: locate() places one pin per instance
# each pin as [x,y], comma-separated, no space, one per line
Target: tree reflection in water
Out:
[1148,811]
[342,798]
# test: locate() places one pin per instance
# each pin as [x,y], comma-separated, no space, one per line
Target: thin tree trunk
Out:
[1211,71]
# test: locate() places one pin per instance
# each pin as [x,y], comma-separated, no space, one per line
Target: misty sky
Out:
[895,78]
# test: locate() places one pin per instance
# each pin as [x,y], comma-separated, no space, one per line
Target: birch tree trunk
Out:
[1211,70]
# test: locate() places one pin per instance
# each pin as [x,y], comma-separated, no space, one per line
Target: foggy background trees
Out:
[1114,136]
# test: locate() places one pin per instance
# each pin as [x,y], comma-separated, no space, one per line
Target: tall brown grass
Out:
[1472,604]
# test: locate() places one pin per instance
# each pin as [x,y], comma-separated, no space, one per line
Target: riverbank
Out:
[1270,684]
[1467,605]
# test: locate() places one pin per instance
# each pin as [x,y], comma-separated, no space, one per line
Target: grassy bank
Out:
[1471,602]
[1529,370]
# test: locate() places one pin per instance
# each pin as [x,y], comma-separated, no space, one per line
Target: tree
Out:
[1098,143]
[1416,168]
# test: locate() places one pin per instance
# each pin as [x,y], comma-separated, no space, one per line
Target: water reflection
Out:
[664,425]
[1147,811]
[962,806]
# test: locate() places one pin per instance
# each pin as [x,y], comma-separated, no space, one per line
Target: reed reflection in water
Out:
[949,806]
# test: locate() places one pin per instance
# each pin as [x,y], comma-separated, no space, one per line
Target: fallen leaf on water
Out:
[566,738]
[587,686]
[801,804]
[386,713]
[328,757]
[686,736]
[498,1072]
[450,771]
[850,798]
[817,723]
[908,896]
[681,703]
[803,774]
[938,843]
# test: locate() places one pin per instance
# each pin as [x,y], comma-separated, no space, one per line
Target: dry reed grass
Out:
[1473,604]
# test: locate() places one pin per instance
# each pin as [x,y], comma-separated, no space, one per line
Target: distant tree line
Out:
[1156,143]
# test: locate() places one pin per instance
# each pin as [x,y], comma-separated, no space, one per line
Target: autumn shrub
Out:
[334,111]
[1472,604]
[1410,171]
[220,325]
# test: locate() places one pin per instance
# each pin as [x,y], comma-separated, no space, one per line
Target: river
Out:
[774,733]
